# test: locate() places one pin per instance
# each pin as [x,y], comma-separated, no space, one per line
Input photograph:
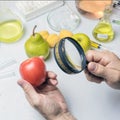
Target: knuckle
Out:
[36,103]
[26,88]
[89,54]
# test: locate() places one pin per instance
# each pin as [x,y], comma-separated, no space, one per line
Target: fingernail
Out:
[21,83]
[92,67]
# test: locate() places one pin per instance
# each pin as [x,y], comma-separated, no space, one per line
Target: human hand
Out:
[47,98]
[103,66]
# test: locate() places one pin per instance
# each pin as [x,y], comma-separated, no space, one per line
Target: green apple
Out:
[83,40]
[37,46]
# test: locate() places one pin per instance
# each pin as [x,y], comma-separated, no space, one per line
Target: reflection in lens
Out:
[73,57]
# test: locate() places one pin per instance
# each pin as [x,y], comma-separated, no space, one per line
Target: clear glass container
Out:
[63,18]
[92,9]
[11,27]
[103,31]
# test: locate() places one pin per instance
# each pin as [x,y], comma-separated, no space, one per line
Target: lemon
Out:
[53,39]
[65,33]
[44,34]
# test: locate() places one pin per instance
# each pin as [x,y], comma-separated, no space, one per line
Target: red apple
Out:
[33,70]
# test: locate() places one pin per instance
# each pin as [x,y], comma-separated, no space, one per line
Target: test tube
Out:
[98,46]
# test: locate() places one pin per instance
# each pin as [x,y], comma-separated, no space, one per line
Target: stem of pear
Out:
[34,30]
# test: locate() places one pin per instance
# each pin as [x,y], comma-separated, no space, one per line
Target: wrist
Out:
[65,116]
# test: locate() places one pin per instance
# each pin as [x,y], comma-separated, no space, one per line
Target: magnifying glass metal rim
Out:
[61,57]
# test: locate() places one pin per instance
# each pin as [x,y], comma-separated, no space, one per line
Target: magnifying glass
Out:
[70,56]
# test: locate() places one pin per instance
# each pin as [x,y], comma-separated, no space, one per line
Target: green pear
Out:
[37,46]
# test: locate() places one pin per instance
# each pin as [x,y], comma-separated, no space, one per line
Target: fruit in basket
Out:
[33,70]
[65,33]
[83,40]
[53,39]
[37,46]
[44,34]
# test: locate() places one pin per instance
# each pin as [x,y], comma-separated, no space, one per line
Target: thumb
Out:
[28,89]
[100,71]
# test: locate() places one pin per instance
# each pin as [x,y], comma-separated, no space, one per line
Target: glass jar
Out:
[11,27]
[63,18]
[92,9]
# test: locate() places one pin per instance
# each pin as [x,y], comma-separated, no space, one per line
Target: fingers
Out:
[52,78]
[97,69]
[106,73]
[42,57]
[93,55]
[51,75]
[28,89]
[92,78]
[102,57]
[53,82]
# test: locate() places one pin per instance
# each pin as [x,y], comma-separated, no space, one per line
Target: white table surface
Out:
[86,100]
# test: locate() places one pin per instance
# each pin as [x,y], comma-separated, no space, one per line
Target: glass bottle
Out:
[92,9]
[103,31]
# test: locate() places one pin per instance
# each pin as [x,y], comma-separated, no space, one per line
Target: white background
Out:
[86,100]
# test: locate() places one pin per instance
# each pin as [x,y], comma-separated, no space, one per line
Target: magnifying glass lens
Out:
[70,56]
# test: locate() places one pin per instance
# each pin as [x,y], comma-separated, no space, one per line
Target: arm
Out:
[66,116]
[47,99]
